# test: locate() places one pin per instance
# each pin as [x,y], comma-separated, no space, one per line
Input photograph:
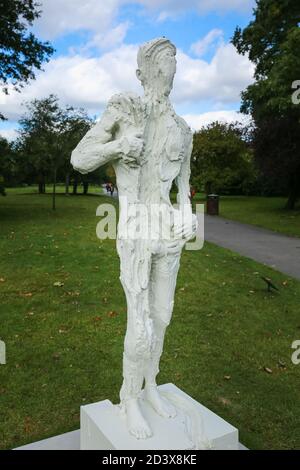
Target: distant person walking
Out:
[193,193]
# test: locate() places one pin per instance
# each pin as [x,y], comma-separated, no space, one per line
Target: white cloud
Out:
[90,81]
[9,134]
[114,37]
[64,16]
[220,81]
[203,45]
[172,8]
[196,121]
[79,81]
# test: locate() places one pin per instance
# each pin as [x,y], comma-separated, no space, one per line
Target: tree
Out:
[48,135]
[5,152]
[21,53]
[10,171]
[75,125]
[222,159]
[272,41]
[37,140]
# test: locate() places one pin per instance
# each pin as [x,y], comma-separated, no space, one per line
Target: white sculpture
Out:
[149,146]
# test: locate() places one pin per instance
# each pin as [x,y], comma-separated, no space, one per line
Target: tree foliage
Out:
[222,160]
[272,41]
[21,53]
[48,135]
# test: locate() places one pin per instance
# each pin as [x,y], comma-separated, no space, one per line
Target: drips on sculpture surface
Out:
[149,147]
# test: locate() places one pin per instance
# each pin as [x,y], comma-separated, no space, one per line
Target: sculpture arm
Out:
[183,179]
[186,225]
[97,147]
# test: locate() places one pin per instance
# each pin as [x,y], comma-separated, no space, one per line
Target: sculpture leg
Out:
[162,288]
[136,352]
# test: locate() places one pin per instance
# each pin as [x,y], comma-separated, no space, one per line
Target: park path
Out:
[281,252]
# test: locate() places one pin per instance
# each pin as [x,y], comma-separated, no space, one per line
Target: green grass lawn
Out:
[64,342]
[60,189]
[267,212]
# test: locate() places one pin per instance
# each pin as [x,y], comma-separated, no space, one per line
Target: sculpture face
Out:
[157,73]
[166,70]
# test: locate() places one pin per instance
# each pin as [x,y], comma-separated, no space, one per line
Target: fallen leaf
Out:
[282,364]
[224,401]
[112,314]
[27,424]
[58,284]
[26,294]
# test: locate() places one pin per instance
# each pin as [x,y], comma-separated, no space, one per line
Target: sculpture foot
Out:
[160,404]
[136,422]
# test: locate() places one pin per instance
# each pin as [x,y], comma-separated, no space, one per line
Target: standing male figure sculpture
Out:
[149,147]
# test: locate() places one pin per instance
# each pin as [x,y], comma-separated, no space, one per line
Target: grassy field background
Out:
[63,320]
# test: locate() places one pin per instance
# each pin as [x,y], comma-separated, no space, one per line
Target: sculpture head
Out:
[157,66]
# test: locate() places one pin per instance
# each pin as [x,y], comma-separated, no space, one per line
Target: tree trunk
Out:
[208,188]
[67,184]
[42,184]
[75,184]
[292,199]
[294,193]
[85,187]
[54,190]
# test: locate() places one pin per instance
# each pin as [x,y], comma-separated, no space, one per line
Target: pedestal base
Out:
[103,427]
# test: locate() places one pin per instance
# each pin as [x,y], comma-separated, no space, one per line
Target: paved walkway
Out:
[278,251]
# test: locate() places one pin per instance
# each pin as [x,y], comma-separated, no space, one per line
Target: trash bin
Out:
[212,205]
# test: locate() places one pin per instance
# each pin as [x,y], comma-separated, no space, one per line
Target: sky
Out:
[96,43]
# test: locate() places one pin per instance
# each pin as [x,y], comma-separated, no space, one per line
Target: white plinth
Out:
[102,427]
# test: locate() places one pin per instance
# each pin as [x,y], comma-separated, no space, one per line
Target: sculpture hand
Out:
[187,229]
[174,247]
[132,148]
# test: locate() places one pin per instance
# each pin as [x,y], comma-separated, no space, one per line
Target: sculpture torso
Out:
[164,152]
[166,138]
